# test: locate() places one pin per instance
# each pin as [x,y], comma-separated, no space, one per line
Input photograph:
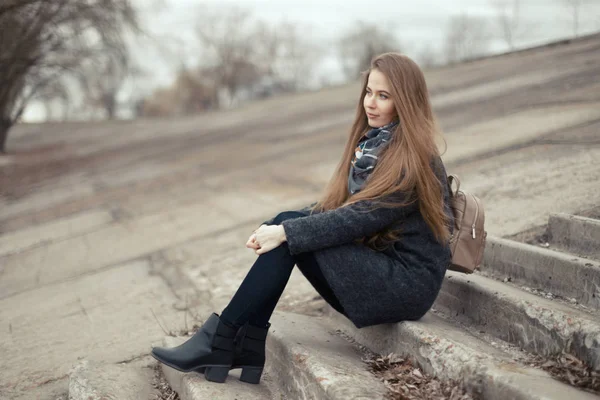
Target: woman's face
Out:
[378,103]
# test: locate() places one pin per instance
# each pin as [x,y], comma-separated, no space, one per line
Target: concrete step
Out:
[575,235]
[552,271]
[193,386]
[93,381]
[310,361]
[535,323]
[53,231]
[449,352]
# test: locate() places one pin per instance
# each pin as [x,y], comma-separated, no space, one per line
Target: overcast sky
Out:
[417,24]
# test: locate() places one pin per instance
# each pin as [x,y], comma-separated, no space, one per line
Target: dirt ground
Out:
[98,220]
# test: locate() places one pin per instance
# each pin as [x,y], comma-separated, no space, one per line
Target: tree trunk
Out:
[110,106]
[5,125]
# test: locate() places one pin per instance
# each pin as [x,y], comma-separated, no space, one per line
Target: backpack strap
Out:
[452,178]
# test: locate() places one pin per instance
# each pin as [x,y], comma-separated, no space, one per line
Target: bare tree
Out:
[228,40]
[102,80]
[284,54]
[49,95]
[243,54]
[189,94]
[427,56]
[193,94]
[361,44]
[509,21]
[574,7]
[42,41]
[466,37]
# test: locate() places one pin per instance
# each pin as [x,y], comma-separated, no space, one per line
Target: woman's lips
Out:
[371,115]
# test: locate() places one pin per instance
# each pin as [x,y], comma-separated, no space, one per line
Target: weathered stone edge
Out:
[316,364]
[450,353]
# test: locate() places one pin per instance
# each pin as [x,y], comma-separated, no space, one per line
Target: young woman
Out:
[375,247]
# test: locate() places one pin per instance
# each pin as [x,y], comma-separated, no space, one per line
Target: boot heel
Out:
[216,374]
[251,375]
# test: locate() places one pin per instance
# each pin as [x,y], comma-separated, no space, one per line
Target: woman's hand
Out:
[251,243]
[266,238]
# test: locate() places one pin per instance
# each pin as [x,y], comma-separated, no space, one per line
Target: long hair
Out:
[405,164]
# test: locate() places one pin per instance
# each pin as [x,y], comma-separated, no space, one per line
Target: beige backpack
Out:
[468,239]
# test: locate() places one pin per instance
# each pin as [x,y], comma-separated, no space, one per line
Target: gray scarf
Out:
[365,155]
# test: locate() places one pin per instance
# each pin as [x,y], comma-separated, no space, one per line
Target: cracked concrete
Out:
[313,363]
[560,273]
[93,381]
[96,317]
[576,235]
[536,324]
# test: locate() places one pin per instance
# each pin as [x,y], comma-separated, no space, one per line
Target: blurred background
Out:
[131,58]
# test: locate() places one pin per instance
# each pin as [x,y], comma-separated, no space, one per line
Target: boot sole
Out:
[250,374]
[202,368]
[216,374]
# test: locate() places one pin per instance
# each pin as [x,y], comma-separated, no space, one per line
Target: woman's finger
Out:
[264,249]
[251,243]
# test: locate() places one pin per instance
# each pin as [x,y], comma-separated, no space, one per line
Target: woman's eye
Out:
[381,95]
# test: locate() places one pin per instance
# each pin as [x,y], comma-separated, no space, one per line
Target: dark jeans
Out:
[257,296]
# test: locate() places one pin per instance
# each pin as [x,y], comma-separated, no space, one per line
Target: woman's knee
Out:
[282,216]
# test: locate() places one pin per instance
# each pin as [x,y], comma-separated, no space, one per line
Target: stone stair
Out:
[484,330]
[559,273]
[94,381]
[311,362]
[534,323]
[446,350]
[574,234]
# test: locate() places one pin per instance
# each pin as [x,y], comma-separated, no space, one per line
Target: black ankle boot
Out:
[250,352]
[210,350]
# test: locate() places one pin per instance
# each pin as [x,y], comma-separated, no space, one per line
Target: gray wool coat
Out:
[375,287]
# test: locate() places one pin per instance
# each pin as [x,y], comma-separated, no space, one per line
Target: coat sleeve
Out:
[305,210]
[342,225]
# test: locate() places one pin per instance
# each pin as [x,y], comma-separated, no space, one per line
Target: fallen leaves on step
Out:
[569,369]
[407,382]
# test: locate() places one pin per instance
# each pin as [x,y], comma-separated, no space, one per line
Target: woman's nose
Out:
[370,102]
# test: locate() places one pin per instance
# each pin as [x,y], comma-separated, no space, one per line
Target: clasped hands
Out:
[265,238]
